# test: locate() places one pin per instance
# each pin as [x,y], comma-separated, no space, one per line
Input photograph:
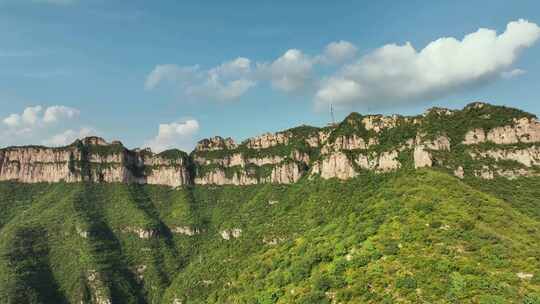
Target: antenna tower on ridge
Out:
[332,114]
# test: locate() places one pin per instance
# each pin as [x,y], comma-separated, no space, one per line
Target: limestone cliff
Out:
[480,140]
[93,159]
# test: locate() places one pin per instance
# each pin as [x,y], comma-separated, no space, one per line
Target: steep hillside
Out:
[414,236]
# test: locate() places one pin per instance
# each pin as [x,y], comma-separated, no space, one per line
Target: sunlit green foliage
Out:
[407,237]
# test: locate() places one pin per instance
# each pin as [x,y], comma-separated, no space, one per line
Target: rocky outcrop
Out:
[37,164]
[522,130]
[336,165]
[474,136]
[215,143]
[383,162]
[352,142]
[422,150]
[231,233]
[459,172]
[527,156]
[268,140]
[92,159]
[186,230]
[142,233]
[318,139]
[286,173]
[218,176]
[378,123]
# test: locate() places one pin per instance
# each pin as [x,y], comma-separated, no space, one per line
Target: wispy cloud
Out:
[291,72]
[228,81]
[512,73]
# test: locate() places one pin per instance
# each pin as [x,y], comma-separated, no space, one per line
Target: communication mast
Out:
[332,115]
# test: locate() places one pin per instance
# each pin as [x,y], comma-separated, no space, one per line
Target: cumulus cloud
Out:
[399,73]
[290,72]
[55,113]
[34,116]
[29,117]
[35,123]
[174,135]
[68,136]
[513,73]
[12,120]
[339,52]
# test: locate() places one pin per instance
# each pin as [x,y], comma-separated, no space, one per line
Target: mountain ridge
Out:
[480,139]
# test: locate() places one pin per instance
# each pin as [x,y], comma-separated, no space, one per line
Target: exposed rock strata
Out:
[527,156]
[91,159]
[336,165]
[523,130]
[422,150]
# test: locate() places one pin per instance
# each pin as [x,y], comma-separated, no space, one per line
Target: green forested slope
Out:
[408,237]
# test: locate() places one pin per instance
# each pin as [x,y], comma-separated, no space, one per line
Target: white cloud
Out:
[30,115]
[55,113]
[235,68]
[513,73]
[13,120]
[36,123]
[35,116]
[69,136]
[335,88]
[225,91]
[339,52]
[170,73]
[290,72]
[228,81]
[174,135]
[398,73]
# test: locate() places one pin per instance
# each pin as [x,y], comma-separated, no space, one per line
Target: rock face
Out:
[231,233]
[522,130]
[422,154]
[480,140]
[528,156]
[336,165]
[215,143]
[186,230]
[92,159]
[268,140]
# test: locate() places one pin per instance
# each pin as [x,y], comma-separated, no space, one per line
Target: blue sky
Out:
[168,73]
